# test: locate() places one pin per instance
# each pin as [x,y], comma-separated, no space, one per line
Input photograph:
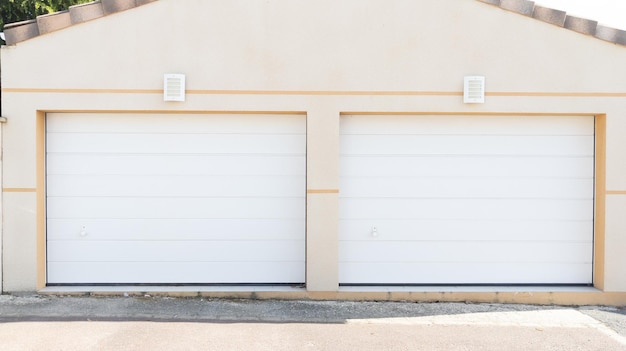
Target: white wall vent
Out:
[174,87]
[474,90]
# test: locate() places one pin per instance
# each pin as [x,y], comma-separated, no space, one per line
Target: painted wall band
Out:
[599,225]
[40,143]
[310,92]
[470,113]
[616,192]
[322,191]
[19,190]
[81,91]
[183,112]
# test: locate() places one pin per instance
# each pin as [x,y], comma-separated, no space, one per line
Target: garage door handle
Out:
[83,231]
[374,232]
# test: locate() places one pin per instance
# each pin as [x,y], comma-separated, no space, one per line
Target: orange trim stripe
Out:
[183,112]
[599,225]
[322,191]
[307,92]
[468,113]
[324,92]
[19,190]
[616,192]
[42,260]
[81,91]
[557,94]
[227,92]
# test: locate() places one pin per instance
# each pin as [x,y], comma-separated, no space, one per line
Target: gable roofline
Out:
[21,31]
[561,19]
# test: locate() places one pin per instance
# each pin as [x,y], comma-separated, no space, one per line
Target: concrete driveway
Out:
[158,323]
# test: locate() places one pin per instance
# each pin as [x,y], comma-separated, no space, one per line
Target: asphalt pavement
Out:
[33,322]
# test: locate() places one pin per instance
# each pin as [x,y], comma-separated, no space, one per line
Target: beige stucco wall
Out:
[615,243]
[321,57]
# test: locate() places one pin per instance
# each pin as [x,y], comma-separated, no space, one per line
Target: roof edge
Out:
[21,31]
[561,19]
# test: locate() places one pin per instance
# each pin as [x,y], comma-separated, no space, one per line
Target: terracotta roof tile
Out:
[581,25]
[523,7]
[561,19]
[86,12]
[53,21]
[117,6]
[20,31]
[614,35]
[549,15]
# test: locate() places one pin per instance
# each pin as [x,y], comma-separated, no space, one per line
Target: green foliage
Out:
[21,10]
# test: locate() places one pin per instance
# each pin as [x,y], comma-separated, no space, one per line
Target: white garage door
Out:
[159,199]
[466,200]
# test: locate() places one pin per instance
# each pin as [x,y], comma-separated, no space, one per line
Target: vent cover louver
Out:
[174,87]
[474,90]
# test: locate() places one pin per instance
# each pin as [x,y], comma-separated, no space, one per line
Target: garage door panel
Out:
[459,194]
[466,145]
[465,230]
[174,124]
[185,186]
[469,166]
[196,192]
[175,251]
[175,272]
[466,251]
[474,187]
[192,165]
[175,143]
[495,209]
[466,125]
[161,229]
[481,273]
